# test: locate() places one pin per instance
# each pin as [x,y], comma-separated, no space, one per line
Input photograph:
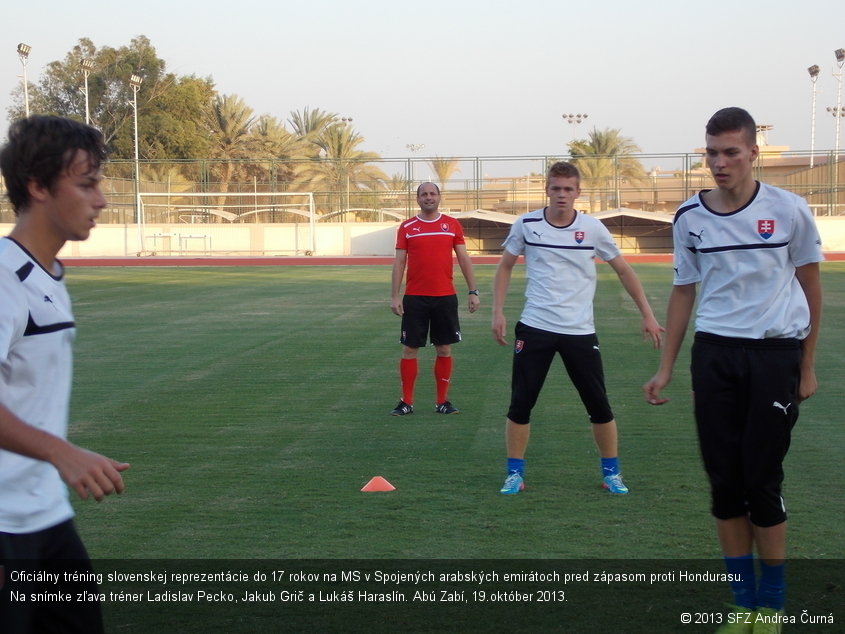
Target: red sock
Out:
[408,375]
[442,376]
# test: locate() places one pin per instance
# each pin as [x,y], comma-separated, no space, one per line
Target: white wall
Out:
[832,230]
[109,240]
[353,238]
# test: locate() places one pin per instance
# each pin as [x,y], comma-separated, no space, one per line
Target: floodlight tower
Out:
[344,169]
[575,120]
[413,148]
[87,66]
[838,112]
[814,75]
[23,54]
[135,82]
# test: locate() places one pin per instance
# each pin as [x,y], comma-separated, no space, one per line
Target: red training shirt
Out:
[429,244]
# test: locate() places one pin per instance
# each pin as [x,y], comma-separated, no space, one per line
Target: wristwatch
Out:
[475,292]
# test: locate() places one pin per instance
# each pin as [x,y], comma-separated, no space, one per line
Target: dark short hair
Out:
[733,119]
[40,148]
[427,183]
[562,169]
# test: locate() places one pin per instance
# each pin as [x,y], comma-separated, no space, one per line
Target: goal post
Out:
[191,222]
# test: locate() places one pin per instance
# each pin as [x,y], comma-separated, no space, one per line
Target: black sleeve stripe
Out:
[683,210]
[24,271]
[34,329]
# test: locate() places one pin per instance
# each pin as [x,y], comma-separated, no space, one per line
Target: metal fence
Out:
[350,191]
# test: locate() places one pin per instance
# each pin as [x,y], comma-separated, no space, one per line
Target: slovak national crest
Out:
[444,226]
[766,228]
[579,236]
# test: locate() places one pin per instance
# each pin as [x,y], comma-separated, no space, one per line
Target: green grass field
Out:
[253,405]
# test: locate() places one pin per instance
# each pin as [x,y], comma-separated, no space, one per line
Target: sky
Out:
[478,78]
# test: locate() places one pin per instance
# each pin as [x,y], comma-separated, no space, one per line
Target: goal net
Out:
[223,223]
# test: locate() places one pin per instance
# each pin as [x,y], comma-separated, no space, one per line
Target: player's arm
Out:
[86,472]
[465,262]
[632,285]
[396,281]
[809,277]
[681,302]
[501,282]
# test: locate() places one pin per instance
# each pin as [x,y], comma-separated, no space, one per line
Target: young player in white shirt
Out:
[52,170]
[754,251]
[560,245]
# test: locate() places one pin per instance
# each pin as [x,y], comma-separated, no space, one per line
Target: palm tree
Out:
[274,139]
[287,150]
[309,124]
[340,167]
[604,159]
[397,182]
[444,168]
[398,192]
[230,121]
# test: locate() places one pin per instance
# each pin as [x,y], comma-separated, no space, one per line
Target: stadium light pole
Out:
[87,66]
[23,54]
[413,148]
[838,112]
[840,60]
[346,121]
[135,83]
[814,75]
[574,120]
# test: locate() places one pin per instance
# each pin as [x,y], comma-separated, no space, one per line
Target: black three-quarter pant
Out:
[534,351]
[746,403]
[55,550]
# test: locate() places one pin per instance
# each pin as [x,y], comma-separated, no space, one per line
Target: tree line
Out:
[185,118]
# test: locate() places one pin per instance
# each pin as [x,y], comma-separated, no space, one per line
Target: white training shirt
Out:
[560,270]
[36,337]
[745,262]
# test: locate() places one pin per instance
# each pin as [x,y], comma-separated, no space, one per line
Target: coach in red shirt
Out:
[429,307]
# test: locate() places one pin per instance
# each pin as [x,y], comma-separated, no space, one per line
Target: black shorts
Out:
[426,316]
[746,403]
[534,350]
[54,550]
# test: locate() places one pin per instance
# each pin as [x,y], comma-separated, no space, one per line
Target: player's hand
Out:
[397,307]
[652,389]
[89,473]
[498,329]
[651,329]
[474,303]
[808,384]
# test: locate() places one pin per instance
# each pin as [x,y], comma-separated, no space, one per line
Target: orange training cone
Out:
[378,484]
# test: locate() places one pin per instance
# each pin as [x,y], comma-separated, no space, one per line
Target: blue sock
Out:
[772,586]
[609,466]
[744,585]
[516,465]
